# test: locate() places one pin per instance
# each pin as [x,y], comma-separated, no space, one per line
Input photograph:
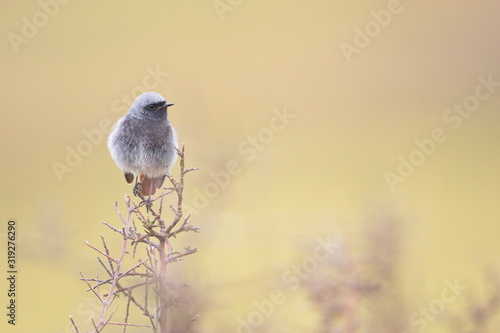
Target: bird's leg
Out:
[138,193]
[148,203]
[137,188]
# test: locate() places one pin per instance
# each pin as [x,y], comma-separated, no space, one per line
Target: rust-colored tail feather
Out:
[147,186]
[150,185]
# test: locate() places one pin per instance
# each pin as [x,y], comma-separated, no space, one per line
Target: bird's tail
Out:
[150,185]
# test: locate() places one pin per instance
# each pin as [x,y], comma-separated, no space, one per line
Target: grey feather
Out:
[144,142]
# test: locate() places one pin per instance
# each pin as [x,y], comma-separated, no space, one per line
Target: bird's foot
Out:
[145,201]
[149,203]
[137,190]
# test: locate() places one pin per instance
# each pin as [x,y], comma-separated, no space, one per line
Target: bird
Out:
[143,143]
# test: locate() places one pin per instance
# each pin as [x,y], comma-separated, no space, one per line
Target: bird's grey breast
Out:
[157,146]
[145,145]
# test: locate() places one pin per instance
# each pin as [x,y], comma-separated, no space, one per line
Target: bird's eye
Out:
[151,107]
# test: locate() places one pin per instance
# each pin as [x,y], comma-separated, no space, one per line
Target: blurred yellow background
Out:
[323,106]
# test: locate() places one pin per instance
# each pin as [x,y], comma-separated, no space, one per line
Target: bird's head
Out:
[151,104]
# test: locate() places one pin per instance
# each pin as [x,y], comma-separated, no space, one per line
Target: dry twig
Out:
[149,271]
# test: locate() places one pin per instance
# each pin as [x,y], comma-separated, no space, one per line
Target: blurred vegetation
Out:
[267,189]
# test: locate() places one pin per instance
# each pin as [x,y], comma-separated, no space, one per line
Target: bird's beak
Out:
[166,105]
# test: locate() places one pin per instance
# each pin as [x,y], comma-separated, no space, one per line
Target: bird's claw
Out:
[149,203]
[137,190]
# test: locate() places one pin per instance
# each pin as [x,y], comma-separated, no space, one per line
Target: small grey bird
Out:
[143,143]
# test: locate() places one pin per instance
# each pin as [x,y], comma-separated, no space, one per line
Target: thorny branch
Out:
[148,276]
